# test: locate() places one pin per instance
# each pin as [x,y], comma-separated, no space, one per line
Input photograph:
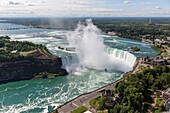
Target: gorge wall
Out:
[26,69]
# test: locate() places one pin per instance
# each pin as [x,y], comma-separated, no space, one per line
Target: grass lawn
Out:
[27,53]
[156,48]
[80,110]
[93,102]
[156,110]
[105,111]
[159,102]
[2,48]
[165,55]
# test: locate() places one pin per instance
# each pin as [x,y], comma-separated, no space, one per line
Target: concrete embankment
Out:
[84,99]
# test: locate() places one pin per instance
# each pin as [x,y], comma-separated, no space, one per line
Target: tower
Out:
[150,21]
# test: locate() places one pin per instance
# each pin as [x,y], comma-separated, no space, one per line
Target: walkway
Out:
[83,100]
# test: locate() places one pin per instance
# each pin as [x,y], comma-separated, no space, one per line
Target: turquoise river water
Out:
[41,96]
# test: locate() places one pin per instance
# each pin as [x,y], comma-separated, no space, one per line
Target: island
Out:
[25,60]
[144,89]
[135,49]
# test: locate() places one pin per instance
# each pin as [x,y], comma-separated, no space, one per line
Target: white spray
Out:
[92,53]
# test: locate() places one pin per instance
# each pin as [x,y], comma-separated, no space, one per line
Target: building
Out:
[159,40]
[168,105]
[150,21]
[87,111]
[168,38]
[110,97]
[154,60]
[15,51]
[112,33]
[166,96]
[159,61]
[146,59]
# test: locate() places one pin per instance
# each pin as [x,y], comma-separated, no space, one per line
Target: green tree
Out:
[101,103]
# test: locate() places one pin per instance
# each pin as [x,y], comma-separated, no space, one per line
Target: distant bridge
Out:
[5,29]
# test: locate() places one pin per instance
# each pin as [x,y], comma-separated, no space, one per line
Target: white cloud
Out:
[127,2]
[76,8]
[158,7]
[14,3]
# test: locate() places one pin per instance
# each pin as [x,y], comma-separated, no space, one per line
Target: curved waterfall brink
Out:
[125,56]
[122,61]
[92,53]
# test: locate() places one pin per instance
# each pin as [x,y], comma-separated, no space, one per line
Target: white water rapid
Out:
[90,51]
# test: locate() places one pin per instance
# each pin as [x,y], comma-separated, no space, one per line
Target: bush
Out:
[134,48]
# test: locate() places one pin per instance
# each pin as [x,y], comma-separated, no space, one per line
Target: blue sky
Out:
[78,8]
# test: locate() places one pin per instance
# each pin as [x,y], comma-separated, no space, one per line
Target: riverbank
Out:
[84,99]
[25,61]
[57,90]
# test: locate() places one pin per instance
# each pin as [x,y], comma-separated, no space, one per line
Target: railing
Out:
[89,93]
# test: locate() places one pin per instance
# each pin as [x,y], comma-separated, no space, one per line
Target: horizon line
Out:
[88,17]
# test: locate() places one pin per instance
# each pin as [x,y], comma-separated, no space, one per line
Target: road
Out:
[137,67]
[84,100]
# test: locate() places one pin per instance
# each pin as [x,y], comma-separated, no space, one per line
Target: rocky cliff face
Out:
[26,69]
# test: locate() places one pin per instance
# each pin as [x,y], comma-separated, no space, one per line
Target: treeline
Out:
[7,47]
[135,93]
[7,56]
[137,30]
[123,26]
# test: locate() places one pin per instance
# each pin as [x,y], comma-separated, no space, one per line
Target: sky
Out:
[84,8]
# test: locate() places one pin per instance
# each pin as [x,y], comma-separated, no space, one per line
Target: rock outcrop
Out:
[26,69]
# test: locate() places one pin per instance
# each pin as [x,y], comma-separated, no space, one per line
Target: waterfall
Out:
[125,56]
[70,63]
[91,52]
[125,61]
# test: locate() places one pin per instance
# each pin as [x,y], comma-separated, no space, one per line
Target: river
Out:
[41,96]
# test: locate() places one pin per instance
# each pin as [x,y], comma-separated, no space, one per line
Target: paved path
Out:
[137,66]
[83,100]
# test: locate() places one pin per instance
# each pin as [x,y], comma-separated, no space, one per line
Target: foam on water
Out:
[39,96]
[92,53]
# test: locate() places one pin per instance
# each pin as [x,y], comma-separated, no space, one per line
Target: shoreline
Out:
[30,60]
[84,94]
[125,74]
[98,89]
[113,83]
